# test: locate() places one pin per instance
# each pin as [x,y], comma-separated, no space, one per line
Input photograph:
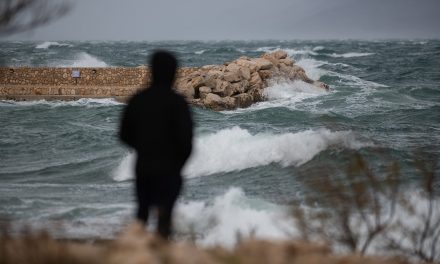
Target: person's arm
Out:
[127,130]
[184,132]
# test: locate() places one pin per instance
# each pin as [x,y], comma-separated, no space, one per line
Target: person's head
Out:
[164,66]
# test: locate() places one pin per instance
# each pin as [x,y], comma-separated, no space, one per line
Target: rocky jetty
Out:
[239,83]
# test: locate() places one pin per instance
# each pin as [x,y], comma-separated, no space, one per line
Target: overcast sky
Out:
[243,19]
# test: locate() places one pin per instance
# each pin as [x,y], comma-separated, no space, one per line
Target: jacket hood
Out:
[164,67]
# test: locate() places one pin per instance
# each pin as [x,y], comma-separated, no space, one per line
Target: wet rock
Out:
[263,64]
[244,100]
[203,91]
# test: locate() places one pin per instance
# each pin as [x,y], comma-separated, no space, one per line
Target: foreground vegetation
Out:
[134,246]
[354,216]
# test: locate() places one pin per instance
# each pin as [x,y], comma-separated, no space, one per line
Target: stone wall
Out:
[25,83]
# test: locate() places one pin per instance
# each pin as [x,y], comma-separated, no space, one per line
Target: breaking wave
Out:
[83,59]
[48,44]
[219,221]
[350,55]
[236,149]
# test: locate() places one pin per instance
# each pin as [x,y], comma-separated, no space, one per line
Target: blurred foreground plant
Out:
[358,208]
[21,15]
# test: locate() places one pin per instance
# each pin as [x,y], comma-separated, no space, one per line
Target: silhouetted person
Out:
[157,124]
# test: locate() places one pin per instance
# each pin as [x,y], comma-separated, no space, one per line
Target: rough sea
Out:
[63,168]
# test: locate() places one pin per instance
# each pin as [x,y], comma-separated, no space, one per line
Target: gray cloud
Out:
[243,19]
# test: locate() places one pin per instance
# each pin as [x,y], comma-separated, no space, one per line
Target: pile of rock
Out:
[239,83]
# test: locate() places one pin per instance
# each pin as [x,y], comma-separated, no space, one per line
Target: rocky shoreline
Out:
[239,83]
[236,84]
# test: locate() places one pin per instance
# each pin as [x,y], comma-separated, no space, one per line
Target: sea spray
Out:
[220,221]
[284,93]
[81,59]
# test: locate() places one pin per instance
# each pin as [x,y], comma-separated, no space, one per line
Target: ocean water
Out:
[62,167]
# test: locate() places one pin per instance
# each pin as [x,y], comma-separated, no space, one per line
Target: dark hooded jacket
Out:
[157,124]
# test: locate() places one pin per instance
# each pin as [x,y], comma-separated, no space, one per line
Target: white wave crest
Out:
[125,169]
[232,213]
[48,44]
[318,48]
[350,55]
[236,149]
[266,49]
[199,52]
[290,52]
[83,59]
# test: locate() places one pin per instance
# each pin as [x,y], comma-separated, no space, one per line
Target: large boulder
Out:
[263,64]
[223,88]
[240,87]
[215,102]
[203,91]
[244,100]
[256,82]
[279,54]
[287,61]
[245,72]
[248,63]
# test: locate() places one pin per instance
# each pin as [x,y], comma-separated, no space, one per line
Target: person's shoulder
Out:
[139,96]
[179,99]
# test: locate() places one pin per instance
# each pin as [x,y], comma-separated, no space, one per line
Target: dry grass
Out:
[134,246]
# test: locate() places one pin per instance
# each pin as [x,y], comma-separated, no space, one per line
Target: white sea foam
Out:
[199,52]
[48,44]
[356,81]
[349,55]
[293,91]
[125,169]
[236,149]
[83,102]
[284,94]
[218,222]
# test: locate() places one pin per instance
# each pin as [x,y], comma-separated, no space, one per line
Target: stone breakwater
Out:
[239,83]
